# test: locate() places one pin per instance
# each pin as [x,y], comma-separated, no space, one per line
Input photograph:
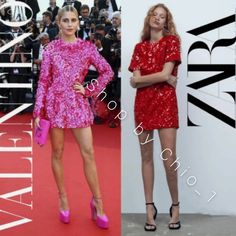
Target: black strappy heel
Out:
[151,227]
[176,225]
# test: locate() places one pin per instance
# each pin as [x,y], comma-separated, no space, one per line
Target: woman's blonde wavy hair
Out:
[169,29]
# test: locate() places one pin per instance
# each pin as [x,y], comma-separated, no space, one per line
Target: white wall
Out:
[208,151]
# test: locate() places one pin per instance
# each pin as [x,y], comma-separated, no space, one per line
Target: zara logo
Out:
[211,73]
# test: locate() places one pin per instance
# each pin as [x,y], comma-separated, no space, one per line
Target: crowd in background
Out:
[101,25]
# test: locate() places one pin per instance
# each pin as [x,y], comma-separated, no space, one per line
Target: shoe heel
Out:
[151,227]
[93,211]
[175,225]
[101,221]
[64,215]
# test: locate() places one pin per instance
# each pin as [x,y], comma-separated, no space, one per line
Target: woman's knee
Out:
[146,153]
[87,152]
[57,152]
[147,161]
[147,157]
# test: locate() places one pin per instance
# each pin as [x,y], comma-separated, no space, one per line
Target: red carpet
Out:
[44,212]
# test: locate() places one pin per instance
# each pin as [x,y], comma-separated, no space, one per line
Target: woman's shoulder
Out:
[171,37]
[52,46]
[83,45]
[140,45]
[86,43]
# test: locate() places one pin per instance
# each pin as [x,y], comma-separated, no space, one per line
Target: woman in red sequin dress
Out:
[154,65]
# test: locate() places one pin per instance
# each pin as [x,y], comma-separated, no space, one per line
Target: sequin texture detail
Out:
[156,105]
[63,64]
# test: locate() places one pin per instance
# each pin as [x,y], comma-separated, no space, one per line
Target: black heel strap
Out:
[149,203]
[155,209]
[175,204]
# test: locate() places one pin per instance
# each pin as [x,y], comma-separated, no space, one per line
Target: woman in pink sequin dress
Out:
[62,99]
[154,65]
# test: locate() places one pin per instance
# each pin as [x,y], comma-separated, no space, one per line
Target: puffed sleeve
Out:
[135,60]
[173,50]
[103,68]
[45,78]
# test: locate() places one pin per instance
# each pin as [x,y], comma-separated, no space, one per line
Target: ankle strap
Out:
[97,198]
[149,203]
[175,204]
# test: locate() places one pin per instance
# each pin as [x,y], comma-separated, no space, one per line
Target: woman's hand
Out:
[132,82]
[172,81]
[79,88]
[36,122]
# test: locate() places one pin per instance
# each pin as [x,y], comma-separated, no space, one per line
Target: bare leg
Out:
[84,139]
[168,143]
[57,143]
[147,171]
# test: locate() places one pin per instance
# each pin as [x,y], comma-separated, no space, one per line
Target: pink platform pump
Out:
[101,221]
[64,215]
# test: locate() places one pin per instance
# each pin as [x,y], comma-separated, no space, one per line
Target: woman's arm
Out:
[43,84]
[138,81]
[158,77]
[105,73]
[141,85]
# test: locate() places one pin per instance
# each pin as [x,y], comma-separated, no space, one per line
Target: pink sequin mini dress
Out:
[63,64]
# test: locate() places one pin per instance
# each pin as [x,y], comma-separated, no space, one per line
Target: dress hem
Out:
[72,127]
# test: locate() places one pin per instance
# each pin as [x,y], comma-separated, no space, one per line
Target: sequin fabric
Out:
[156,105]
[63,64]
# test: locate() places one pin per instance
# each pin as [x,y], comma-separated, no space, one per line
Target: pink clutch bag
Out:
[41,133]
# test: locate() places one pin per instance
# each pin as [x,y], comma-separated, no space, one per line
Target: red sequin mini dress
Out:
[156,105]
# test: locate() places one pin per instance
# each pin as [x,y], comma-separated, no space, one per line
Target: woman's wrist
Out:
[137,79]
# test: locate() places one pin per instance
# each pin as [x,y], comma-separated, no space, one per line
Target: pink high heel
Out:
[64,215]
[101,221]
